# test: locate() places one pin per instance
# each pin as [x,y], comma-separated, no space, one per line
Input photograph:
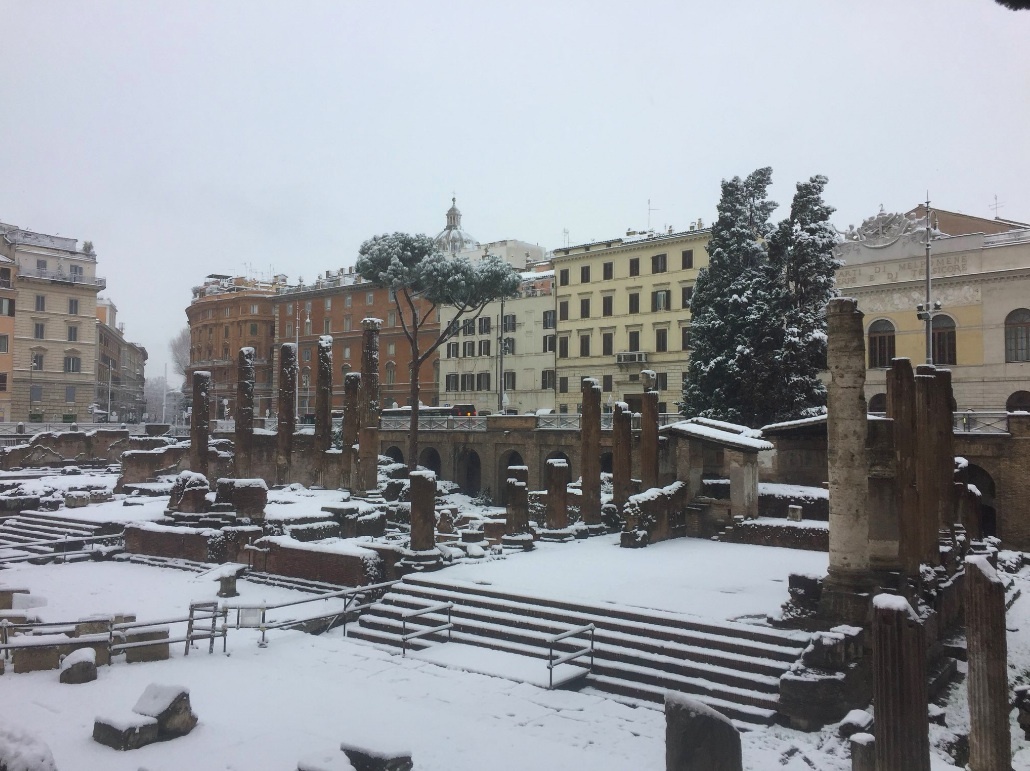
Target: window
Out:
[307,327]
[289,309]
[72,364]
[607,343]
[69,394]
[306,353]
[346,351]
[326,326]
[608,271]
[468,327]
[661,340]
[3,381]
[509,380]
[685,338]
[508,323]
[634,302]
[484,325]
[563,277]
[688,293]
[563,310]
[688,259]
[41,265]
[549,319]
[484,347]
[254,308]
[658,263]
[254,328]
[5,277]
[661,300]
[40,302]
[305,380]
[227,310]
[549,343]
[634,266]
[468,382]
[348,300]
[73,306]
[391,373]
[391,319]
[76,271]
[347,322]
[661,381]
[36,393]
[563,347]
[289,329]
[943,339]
[584,274]
[39,330]
[1017,335]
[391,349]
[881,344]
[606,383]
[468,348]
[225,331]
[563,385]
[483,381]
[607,305]
[547,379]
[4,343]
[452,350]
[634,340]
[509,346]
[370,298]
[451,382]
[584,308]
[73,333]
[327,304]
[584,345]
[6,306]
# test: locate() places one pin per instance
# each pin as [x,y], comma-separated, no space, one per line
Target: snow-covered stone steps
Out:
[286,582]
[174,563]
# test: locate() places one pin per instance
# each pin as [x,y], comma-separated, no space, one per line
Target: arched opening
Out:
[881,344]
[1018,402]
[878,403]
[395,454]
[550,456]
[984,483]
[606,463]
[510,458]
[429,458]
[470,474]
[942,333]
[1017,335]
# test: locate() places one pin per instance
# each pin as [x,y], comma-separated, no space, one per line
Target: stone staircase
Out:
[46,535]
[639,654]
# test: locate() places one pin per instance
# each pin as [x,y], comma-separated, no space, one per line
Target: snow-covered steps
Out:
[639,653]
[286,582]
[44,534]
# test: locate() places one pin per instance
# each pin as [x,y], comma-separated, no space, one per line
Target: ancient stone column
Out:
[351,389]
[927,462]
[990,742]
[649,432]
[557,493]
[622,454]
[899,686]
[517,497]
[845,594]
[200,421]
[368,405]
[590,453]
[244,412]
[423,554]
[697,738]
[901,409]
[367,471]
[945,447]
[287,407]
[324,395]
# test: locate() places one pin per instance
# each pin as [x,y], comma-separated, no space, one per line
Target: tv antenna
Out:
[649,210]
[996,205]
[565,237]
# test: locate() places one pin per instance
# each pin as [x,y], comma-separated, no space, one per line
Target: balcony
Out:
[66,278]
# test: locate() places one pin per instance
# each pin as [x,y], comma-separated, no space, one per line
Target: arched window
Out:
[1018,402]
[1017,335]
[943,339]
[878,403]
[881,344]
[391,373]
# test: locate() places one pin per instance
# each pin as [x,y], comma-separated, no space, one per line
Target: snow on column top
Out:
[247,350]
[591,382]
[424,473]
[980,561]
[894,602]
[518,468]
[291,346]
[558,463]
[371,323]
[624,406]
[202,374]
[694,707]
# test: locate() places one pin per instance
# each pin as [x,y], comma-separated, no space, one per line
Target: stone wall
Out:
[53,448]
[341,562]
[784,534]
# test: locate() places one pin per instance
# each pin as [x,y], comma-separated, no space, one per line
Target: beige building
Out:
[55,325]
[980,275]
[120,370]
[623,305]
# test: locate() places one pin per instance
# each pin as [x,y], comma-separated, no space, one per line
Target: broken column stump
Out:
[590,455]
[369,759]
[200,421]
[990,741]
[422,554]
[697,738]
[557,515]
[517,533]
[169,705]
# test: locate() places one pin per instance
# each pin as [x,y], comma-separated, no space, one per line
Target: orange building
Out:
[8,270]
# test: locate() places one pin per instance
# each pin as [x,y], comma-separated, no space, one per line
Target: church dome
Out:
[452,239]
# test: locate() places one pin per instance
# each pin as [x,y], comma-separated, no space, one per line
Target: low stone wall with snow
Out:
[342,561]
[811,536]
[55,448]
[190,543]
[775,498]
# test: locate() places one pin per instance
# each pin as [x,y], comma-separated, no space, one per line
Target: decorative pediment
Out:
[883,229]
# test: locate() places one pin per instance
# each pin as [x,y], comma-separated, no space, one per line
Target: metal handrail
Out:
[405,636]
[553,662]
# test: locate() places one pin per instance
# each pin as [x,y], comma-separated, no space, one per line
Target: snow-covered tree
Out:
[179,347]
[424,280]
[735,329]
[801,254]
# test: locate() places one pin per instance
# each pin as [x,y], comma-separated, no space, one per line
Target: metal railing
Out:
[406,636]
[970,422]
[434,423]
[553,661]
[71,278]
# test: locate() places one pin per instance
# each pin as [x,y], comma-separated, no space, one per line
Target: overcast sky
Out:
[191,138]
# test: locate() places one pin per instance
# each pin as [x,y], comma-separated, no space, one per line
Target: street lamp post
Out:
[925,311]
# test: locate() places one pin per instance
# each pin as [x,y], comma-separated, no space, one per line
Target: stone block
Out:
[76,499]
[863,752]
[169,706]
[794,513]
[697,738]
[7,596]
[79,667]
[368,759]
[156,652]
[128,732]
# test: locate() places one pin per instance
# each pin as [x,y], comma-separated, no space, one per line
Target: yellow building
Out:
[8,275]
[623,305]
[980,274]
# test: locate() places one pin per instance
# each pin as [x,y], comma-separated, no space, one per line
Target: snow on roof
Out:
[733,428]
[812,421]
[709,434]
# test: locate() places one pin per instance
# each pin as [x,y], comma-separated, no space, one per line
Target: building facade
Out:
[55,346]
[228,313]
[8,305]
[120,370]
[980,275]
[623,305]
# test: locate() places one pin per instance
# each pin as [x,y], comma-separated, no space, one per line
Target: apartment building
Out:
[120,370]
[623,305]
[8,302]
[55,347]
